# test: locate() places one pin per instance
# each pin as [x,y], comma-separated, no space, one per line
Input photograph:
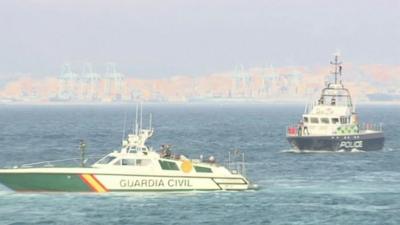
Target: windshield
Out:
[335,97]
[106,160]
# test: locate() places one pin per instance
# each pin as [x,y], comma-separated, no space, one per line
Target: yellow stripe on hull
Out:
[93,183]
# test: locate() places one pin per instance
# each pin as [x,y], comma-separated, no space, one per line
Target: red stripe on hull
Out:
[87,183]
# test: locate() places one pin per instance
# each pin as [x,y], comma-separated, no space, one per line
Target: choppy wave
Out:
[323,187]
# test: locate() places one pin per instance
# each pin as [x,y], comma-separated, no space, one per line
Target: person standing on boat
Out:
[300,128]
[165,151]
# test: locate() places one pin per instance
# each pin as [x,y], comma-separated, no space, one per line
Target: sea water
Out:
[295,187]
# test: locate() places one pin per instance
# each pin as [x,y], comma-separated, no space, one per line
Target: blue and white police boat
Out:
[331,123]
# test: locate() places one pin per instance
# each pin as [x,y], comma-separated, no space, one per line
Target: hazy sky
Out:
[163,38]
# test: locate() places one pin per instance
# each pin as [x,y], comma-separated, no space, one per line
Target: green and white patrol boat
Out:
[136,167]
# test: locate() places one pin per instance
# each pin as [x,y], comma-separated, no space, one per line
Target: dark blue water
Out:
[325,188]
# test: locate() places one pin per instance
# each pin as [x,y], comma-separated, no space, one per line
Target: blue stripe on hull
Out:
[364,142]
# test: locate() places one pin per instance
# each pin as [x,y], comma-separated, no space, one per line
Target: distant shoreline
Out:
[234,102]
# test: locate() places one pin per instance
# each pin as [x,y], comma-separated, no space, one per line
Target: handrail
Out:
[235,162]
[371,126]
[49,162]
[293,130]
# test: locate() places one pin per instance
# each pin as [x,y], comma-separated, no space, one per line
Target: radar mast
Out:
[337,68]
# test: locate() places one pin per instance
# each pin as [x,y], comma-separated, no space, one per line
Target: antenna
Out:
[136,121]
[150,118]
[82,147]
[338,68]
[141,115]
[123,131]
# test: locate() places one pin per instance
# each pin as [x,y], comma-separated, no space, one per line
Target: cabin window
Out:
[314,120]
[128,162]
[305,119]
[167,165]
[325,120]
[335,120]
[143,162]
[133,162]
[200,169]
[106,160]
[343,120]
[132,149]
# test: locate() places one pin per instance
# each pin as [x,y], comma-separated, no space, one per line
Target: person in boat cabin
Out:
[333,101]
[321,101]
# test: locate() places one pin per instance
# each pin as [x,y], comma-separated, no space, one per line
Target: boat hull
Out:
[363,142]
[73,182]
